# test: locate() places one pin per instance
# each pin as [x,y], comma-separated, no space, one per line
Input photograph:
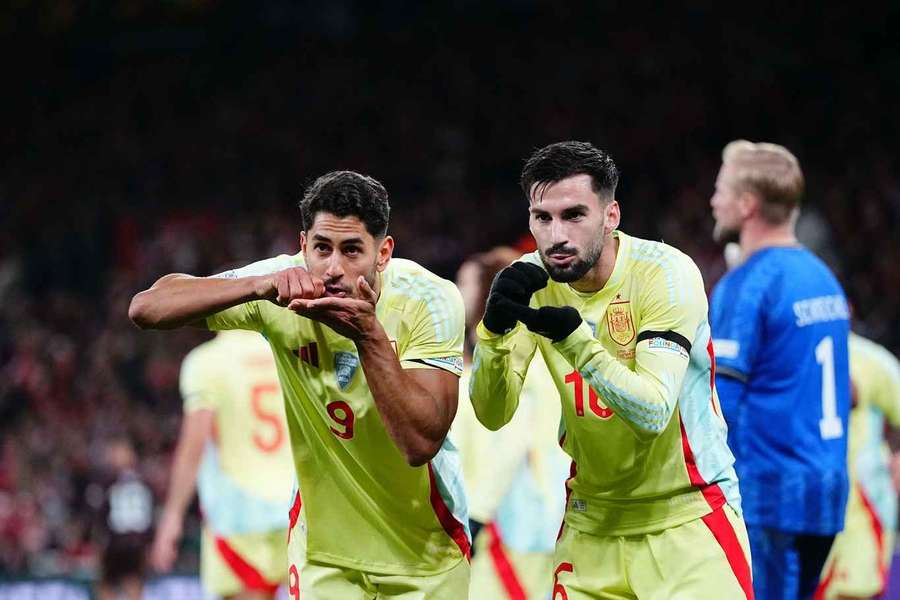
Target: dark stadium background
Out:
[139,138]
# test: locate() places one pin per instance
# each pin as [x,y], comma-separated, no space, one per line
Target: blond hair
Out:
[771,172]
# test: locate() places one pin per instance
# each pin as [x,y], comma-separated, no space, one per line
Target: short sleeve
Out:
[249,315]
[437,331]
[736,320]
[197,381]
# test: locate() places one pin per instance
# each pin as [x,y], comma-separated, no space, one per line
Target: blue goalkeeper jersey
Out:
[780,323]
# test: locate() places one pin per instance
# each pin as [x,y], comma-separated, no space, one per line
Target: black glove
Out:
[513,286]
[554,322]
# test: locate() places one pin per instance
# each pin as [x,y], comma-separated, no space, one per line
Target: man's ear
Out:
[385,252]
[613,217]
[303,242]
[748,204]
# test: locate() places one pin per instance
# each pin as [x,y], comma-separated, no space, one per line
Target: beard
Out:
[579,267]
[724,234]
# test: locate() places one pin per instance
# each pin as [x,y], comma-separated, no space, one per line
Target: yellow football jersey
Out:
[861,554]
[641,419]
[246,477]
[875,377]
[362,505]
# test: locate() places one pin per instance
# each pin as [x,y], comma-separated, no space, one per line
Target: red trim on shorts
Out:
[454,528]
[722,530]
[294,514]
[824,584]
[717,520]
[247,573]
[878,532]
[505,570]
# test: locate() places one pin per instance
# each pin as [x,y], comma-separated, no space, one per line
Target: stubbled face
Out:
[569,222]
[340,249]
[726,207]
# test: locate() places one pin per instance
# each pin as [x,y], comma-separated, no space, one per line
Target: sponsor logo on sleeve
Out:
[663,345]
[449,363]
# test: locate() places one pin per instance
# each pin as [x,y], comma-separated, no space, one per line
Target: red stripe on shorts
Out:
[878,532]
[824,583]
[505,570]
[454,528]
[247,573]
[717,520]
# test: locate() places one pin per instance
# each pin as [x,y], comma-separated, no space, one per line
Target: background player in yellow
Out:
[515,477]
[861,555]
[653,509]
[234,423]
[369,353]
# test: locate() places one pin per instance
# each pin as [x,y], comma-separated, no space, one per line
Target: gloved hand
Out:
[512,288]
[554,322]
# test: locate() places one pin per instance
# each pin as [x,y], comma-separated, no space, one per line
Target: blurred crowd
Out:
[183,145]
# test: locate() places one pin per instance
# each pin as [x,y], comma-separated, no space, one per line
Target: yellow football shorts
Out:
[500,573]
[861,554]
[251,561]
[703,558]
[310,580]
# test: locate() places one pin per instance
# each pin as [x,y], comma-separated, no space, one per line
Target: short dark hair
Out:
[564,159]
[345,194]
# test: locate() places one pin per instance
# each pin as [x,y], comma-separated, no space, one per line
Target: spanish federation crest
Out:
[345,364]
[618,320]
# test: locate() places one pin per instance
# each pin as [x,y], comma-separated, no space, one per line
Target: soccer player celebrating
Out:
[653,508]
[235,424]
[369,353]
[861,555]
[781,322]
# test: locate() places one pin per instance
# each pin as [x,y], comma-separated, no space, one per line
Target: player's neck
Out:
[758,235]
[597,277]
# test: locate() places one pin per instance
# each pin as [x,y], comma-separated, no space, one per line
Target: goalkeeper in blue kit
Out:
[780,326]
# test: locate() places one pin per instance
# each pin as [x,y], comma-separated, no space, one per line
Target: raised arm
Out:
[500,366]
[504,351]
[416,406]
[177,299]
[416,402]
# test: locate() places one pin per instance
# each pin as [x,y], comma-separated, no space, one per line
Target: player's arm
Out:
[416,405]
[736,318]
[500,366]
[176,300]
[196,428]
[504,349]
[645,397]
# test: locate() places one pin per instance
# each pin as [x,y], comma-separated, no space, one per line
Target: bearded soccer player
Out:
[653,507]
[369,354]
[233,447]
[781,322]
